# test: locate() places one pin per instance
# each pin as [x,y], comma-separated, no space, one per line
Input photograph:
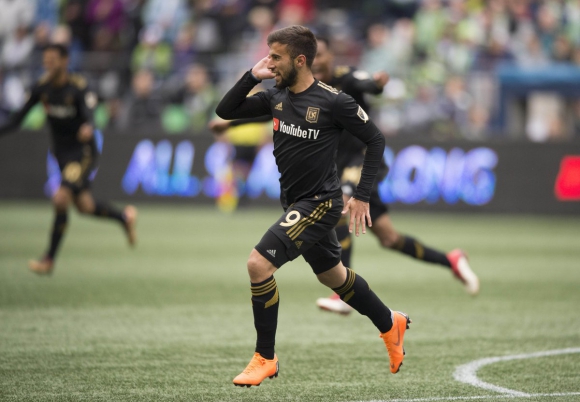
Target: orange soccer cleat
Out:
[394,340]
[257,370]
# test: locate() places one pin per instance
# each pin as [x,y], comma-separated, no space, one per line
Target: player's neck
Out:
[304,81]
[60,79]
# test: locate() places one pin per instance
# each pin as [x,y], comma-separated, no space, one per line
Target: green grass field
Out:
[171,320]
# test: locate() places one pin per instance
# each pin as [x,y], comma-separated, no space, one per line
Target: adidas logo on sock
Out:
[278,106]
[272,252]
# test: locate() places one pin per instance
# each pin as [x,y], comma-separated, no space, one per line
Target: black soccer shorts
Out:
[307,229]
[76,166]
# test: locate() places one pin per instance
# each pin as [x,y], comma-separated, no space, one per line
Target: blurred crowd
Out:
[163,64]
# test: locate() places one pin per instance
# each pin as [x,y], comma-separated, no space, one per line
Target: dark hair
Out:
[57,47]
[299,39]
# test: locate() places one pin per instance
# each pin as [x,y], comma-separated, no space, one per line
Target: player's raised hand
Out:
[85,133]
[218,126]
[381,78]
[359,215]
[261,70]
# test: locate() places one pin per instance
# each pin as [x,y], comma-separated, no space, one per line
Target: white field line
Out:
[467,373]
[470,398]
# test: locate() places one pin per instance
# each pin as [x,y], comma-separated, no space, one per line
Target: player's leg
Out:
[354,290]
[86,204]
[61,201]
[456,260]
[333,303]
[268,255]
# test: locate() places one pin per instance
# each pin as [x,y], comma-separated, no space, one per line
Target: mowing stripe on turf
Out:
[467,373]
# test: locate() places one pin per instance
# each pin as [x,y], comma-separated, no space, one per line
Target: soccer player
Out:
[308,117]
[68,105]
[350,155]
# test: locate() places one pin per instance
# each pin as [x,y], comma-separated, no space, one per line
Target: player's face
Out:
[53,63]
[282,65]
[322,64]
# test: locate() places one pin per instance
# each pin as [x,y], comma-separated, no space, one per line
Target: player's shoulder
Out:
[327,90]
[342,71]
[348,72]
[42,81]
[78,81]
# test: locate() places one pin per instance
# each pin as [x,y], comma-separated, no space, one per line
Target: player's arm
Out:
[364,82]
[17,118]
[353,118]
[87,101]
[218,126]
[237,104]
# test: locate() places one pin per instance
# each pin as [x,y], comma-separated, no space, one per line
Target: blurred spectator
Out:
[13,14]
[490,56]
[142,106]
[17,49]
[198,97]
[168,15]
[376,55]
[151,53]
[107,19]
[74,16]
[183,50]
[46,12]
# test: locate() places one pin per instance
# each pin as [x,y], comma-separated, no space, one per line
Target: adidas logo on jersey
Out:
[272,252]
[278,106]
[298,243]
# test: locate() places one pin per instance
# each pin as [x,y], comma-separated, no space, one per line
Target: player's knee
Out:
[389,238]
[84,208]
[259,268]
[61,201]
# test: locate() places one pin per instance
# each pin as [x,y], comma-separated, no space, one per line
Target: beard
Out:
[289,80]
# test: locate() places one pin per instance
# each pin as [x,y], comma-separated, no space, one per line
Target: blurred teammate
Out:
[308,118]
[68,106]
[349,163]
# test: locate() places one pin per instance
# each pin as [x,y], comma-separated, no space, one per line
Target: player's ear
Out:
[300,61]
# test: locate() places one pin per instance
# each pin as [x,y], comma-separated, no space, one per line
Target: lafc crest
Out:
[312,114]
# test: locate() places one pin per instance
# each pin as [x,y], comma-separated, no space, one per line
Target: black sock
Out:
[414,248]
[105,210]
[345,239]
[58,229]
[265,302]
[356,293]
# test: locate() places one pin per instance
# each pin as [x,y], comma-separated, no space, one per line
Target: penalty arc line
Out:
[467,373]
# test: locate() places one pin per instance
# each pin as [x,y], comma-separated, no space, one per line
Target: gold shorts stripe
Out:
[311,220]
[273,300]
[305,219]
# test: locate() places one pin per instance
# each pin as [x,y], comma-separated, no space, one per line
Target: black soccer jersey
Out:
[307,128]
[355,83]
[67,107]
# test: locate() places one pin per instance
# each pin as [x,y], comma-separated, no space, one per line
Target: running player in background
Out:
[68,105]
[351,151]
[309,117]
